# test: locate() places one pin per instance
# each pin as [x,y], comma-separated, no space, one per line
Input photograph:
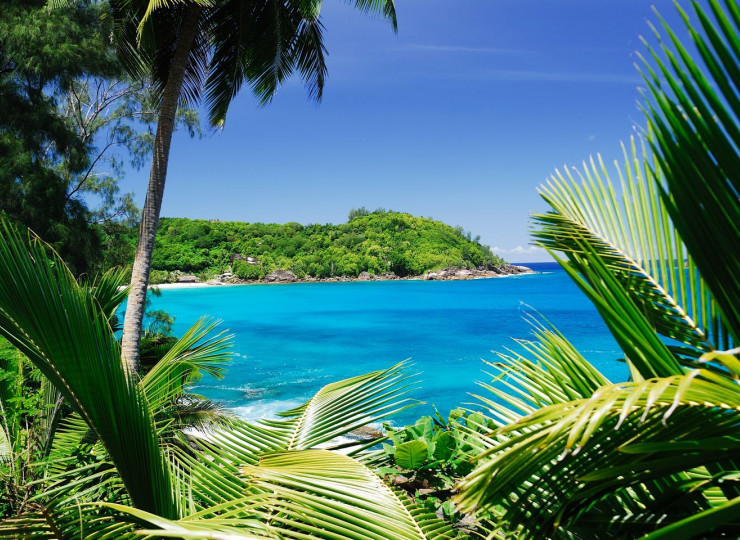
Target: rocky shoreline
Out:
[446,274]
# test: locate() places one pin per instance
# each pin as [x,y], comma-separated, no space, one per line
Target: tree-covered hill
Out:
[377,242]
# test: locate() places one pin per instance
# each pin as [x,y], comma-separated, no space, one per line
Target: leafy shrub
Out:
[428,457]
[244,270]
[157,277]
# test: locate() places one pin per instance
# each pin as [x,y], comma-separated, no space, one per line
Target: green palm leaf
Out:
[656,456]
[311,494]
[165,390]
[343,496]
[335,410]
[611,461]
[198,351]
[110,290]
[260,43]
[62,330]
[67,522]
[553,371]
[633,236]
[646,352]
[694,114]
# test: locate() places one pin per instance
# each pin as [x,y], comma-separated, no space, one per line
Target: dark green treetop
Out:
[71,122]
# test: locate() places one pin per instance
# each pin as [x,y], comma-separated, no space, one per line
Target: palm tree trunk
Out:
[150,214]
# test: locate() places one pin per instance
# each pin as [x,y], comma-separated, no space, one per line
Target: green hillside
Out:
[375,242]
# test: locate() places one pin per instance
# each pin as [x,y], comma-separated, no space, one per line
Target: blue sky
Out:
[458,117]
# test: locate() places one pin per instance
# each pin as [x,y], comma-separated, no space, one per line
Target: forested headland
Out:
[380,242]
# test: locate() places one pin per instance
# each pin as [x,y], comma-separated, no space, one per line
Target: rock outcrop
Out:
[286,276]
[281,276]
[365,432]
[475,273]
[509,269]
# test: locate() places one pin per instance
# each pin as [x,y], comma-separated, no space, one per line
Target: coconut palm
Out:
[196,48]
[577,456]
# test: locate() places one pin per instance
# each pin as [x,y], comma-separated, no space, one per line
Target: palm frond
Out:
[335,410]
[612,455]
[656,456]
[430,524]
[385,7]
[633,235]
[550,371]
[329,495]
[270,59]
[30,525]
[153,6]
[51,415]
[62,330]
[621,313]
[309,494]
[343,406]
[198,351]
[110,290]
[311,56]
[230,26]
[693,111]
[73,521]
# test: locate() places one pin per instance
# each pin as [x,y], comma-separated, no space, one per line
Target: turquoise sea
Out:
[290,340]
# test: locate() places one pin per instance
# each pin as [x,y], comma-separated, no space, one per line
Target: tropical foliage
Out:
[125,444]
[575,455]
[558,452]
[378,243]
[36,141]
[428,458]
[71,119]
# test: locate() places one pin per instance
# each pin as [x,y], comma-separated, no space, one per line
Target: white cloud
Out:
[519,250]
[526,76]
[522,254]
[462,49]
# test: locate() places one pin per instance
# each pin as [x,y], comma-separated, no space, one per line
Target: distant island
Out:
[371,245]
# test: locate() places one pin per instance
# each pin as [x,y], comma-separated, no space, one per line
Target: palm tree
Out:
[577,456]
[195,49]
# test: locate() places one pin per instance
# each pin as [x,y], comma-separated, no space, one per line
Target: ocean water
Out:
[290,340]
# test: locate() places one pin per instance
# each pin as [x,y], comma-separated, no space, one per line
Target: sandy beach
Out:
[191,285]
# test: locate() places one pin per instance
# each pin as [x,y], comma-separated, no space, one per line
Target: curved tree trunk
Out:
[150,214]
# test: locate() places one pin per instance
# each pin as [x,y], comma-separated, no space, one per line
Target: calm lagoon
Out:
[290,340]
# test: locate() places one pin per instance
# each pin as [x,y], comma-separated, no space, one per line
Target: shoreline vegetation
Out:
[284,277]
[370,245]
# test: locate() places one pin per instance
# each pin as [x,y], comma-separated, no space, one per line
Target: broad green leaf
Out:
[444,445]
[411,454]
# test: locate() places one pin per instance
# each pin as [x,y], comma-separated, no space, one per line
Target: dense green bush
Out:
[244,270]
[157,277]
